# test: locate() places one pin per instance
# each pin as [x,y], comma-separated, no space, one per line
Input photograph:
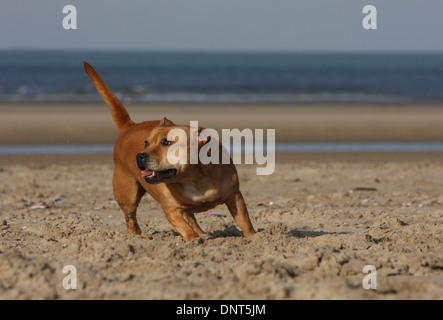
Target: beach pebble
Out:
[408,204]
[39,206]
[364,202]
[58,200]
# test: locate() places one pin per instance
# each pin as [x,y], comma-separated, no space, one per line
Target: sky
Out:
[223,25]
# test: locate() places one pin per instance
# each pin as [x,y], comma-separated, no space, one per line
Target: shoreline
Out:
[280,158]
[92,123]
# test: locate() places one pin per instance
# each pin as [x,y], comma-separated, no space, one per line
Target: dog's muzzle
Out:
[142,158]
[151,176]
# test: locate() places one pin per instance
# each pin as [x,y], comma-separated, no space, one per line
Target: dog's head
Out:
[161,160]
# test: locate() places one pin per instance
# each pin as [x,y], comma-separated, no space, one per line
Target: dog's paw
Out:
[199,240]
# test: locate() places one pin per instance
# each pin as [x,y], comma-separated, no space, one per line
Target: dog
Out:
[142,166]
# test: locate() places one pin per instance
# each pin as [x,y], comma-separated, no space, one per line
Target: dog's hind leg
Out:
[128,192]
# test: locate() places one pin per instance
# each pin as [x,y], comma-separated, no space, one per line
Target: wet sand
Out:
[92,123]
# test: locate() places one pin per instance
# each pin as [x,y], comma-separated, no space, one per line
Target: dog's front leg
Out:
[190,219]
[176,216]
[237,207]
[128,193]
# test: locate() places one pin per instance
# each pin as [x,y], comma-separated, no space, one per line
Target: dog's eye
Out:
[165,142]
[146,144]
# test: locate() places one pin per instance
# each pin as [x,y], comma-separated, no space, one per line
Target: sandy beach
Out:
[321,217]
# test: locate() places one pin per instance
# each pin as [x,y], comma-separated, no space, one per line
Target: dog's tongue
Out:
[146,173]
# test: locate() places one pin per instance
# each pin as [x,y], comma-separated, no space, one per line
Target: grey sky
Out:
[246,25]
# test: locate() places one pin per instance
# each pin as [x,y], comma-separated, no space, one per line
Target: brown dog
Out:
[141,165]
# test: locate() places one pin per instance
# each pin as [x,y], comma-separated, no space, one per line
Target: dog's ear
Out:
[165,122]
[200,137]
[204,138]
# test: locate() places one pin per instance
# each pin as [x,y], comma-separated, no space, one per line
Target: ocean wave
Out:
[223,77]
[256,98]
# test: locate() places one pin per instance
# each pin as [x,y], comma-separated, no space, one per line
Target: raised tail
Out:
[118,111]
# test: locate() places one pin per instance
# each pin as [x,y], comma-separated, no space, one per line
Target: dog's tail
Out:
[118,111]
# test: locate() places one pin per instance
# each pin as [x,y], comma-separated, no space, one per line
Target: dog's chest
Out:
[201,195]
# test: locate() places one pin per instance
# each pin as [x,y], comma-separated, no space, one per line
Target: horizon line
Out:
[215,51]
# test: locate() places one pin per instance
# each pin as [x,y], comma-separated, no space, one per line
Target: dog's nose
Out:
[141,160]
[142,156]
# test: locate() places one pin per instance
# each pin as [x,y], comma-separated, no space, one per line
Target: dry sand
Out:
[321,219]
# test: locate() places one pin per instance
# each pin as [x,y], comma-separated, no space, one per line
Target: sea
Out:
[224,77]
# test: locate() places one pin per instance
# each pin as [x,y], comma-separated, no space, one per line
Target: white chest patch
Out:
[201,196]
